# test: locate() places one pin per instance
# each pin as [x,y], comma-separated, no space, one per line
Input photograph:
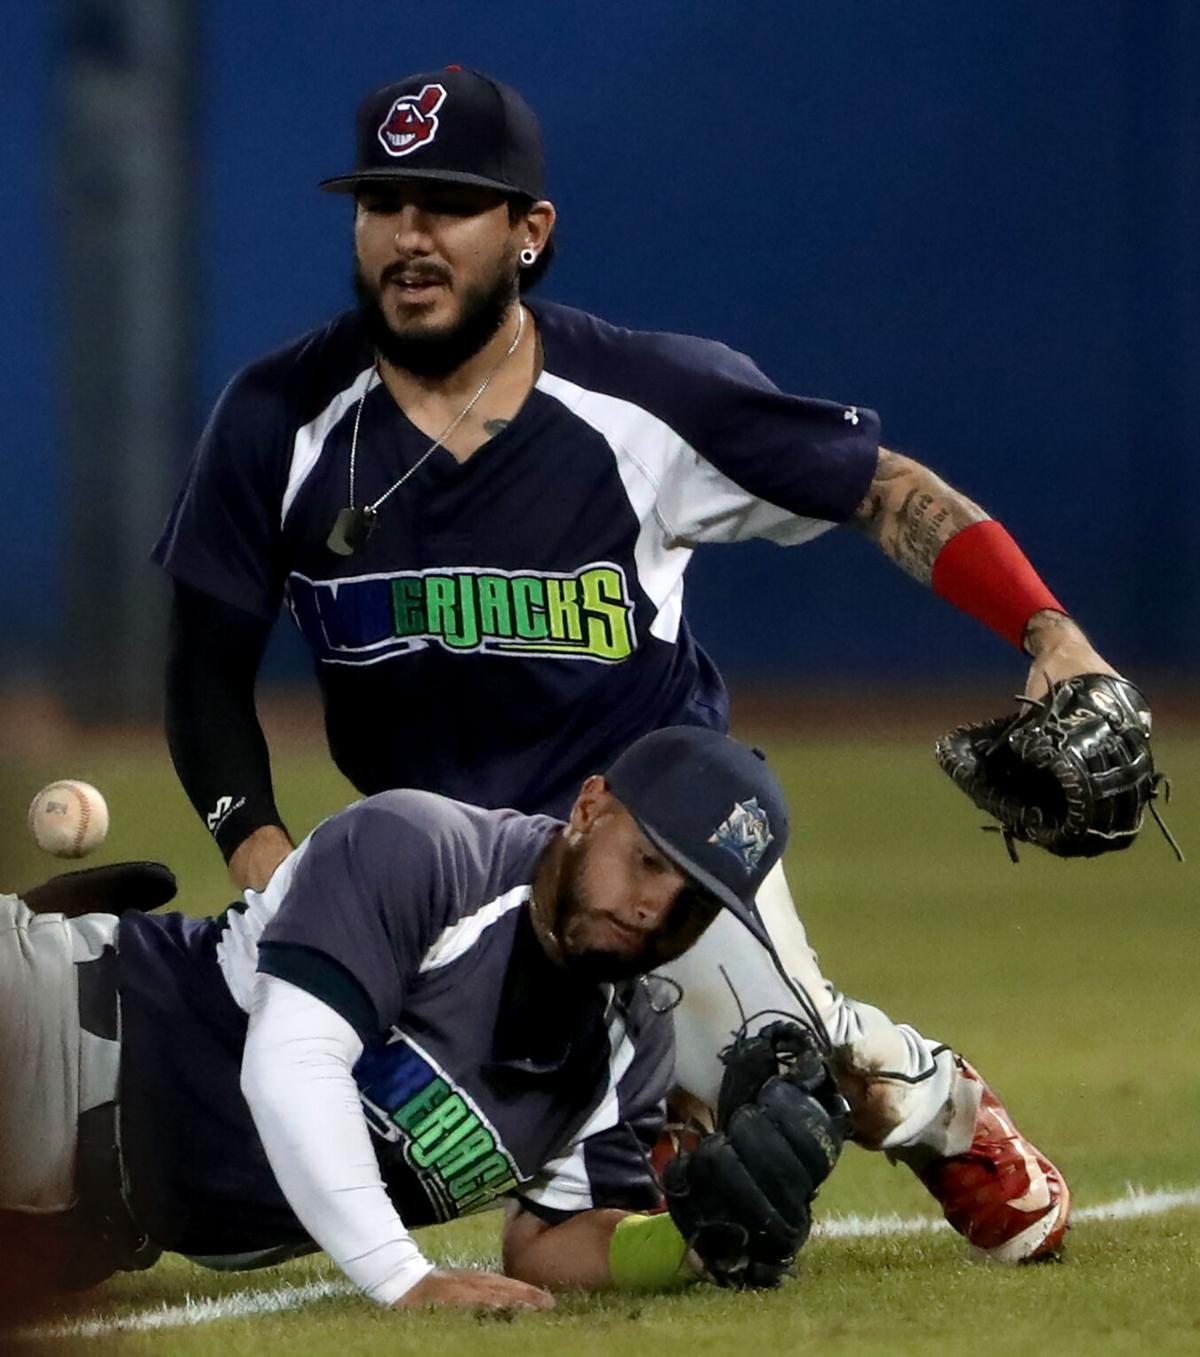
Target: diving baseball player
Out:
[479,510]
[430,1009]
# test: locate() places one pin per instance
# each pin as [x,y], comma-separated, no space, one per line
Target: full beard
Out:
[436,352]
[597,967]
[590,964]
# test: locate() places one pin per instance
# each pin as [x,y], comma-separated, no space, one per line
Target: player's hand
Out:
[468,1289]
[1060,650]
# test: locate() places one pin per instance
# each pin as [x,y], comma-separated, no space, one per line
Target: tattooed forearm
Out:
[912,514]
[871,514]
[920,531]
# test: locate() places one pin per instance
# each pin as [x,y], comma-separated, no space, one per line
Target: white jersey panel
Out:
[309,442]
[645,449]
[458,939]
[564,1184]
[237,952]
[680,499]
[702,504]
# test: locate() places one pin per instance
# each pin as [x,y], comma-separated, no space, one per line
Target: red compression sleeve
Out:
[982,571]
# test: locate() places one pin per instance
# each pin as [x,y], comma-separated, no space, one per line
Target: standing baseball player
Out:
[302,1071]
[480,510]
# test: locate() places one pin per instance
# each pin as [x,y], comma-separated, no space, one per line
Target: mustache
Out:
[415,271]
[625,929]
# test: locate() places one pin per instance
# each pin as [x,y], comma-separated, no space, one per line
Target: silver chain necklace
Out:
[353,527]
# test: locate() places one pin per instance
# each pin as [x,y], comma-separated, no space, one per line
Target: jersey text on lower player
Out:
[442,1136]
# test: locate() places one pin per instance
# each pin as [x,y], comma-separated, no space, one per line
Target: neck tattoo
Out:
[353,527]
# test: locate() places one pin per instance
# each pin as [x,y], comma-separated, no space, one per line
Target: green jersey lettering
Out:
[430,1129]
[463,1153]
[562,610]
[464,635]
[495,611]
[408,605]
[406,1117]
[608,612]
[447,1143]
[444,1139]
[585,615]
[477,1180]
[440,598]
[529,607]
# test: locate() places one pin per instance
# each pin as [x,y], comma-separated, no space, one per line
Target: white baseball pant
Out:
[50,1069]
[903,1088]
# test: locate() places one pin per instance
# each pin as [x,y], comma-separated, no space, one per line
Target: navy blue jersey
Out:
[539,1087]
[198,1177]
[517,618]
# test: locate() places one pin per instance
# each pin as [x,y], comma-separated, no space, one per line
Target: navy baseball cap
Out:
[453,125]
[712,806]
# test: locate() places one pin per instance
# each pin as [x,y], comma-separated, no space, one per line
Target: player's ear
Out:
[592,798]
[539,223]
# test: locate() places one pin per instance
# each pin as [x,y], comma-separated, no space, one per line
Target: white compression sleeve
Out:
[297,1079]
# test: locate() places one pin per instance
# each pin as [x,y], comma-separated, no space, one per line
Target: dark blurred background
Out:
[980,219]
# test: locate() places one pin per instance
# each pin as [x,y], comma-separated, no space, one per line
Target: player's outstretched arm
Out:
[739,1202]
[945,540]
[578,1253]
[297,1079]
[911,513]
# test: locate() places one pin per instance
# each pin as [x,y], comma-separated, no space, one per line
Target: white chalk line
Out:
[1135,1204]
[235,1305]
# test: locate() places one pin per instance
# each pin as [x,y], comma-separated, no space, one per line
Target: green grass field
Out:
[1071,985]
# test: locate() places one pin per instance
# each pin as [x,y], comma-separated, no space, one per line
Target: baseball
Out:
[68,819]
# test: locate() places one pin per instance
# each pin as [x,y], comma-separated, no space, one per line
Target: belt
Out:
[99,1171]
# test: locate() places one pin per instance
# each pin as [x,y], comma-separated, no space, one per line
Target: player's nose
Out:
[412,229]
[653,903]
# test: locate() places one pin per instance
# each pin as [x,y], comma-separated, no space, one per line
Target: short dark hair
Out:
[518,207]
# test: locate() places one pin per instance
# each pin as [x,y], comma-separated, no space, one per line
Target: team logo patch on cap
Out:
[745,832]
[412,121]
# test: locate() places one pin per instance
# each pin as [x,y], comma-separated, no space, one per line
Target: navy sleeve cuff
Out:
[325,979]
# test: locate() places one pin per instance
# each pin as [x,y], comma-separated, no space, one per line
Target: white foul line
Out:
[1136,1202]
[235,1305]
[239,1304]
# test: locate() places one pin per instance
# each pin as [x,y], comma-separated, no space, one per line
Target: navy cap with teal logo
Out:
[712,805]
[453,125]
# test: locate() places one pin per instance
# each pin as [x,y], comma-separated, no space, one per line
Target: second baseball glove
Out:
[742,1198]
[1072,773]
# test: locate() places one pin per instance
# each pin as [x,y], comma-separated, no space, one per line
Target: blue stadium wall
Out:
[981,220]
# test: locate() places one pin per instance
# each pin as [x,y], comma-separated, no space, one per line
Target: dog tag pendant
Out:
[350,531]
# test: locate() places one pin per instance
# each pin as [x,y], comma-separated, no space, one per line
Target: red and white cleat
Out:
[1003,1195]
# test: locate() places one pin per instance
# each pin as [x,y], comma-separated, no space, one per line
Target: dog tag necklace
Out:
[353,527]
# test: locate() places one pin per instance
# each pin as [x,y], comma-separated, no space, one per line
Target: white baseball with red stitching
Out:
[68,819]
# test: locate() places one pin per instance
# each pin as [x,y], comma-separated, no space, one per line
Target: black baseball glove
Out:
[742,1198]
[115,888]
[1072,773]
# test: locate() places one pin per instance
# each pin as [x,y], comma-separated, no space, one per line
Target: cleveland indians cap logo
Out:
[411,121]
[745,832]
